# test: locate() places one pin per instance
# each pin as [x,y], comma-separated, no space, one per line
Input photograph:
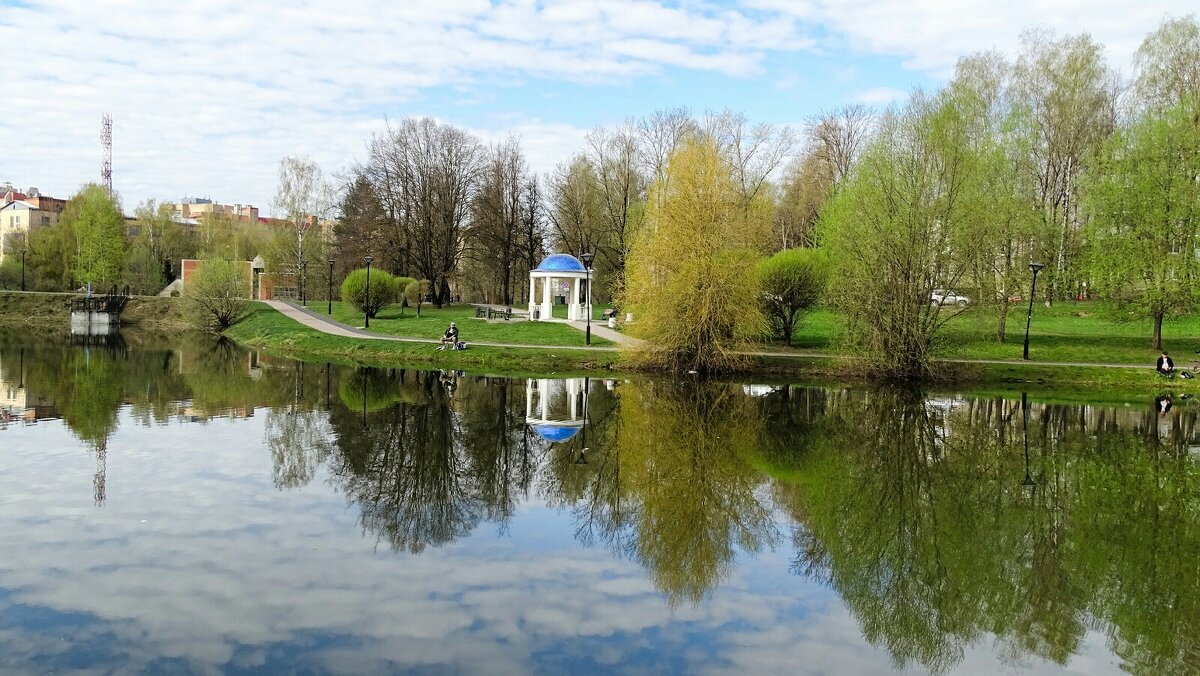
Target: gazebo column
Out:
[529,398]
[545,398]
[533,297]
[573,306]
[547,299]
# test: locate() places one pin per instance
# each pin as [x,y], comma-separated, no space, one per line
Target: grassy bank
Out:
[267,330]
[397,321]
[1067,332]
[270,331]
[52,311]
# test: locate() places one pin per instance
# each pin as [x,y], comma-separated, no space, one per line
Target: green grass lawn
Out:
[433,322]
[269,330]
[560,312]
[1068,332]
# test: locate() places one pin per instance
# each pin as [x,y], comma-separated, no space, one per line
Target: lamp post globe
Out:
[367,300]
[1035,268]
[587,258]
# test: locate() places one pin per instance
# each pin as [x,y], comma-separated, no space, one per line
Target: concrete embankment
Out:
[40,310]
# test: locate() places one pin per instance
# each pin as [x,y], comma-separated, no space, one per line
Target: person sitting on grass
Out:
[450,336]
[1165,366]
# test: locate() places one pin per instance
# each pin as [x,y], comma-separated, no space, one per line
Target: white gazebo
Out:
[556,269]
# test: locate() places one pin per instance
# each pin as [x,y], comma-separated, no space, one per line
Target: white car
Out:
[939,297]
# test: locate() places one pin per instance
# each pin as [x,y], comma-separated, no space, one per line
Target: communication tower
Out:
[106,141]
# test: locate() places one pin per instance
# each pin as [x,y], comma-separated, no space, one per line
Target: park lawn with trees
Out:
[1081,332]
[268,330]
[396,320]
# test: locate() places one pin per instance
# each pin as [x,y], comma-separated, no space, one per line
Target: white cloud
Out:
[930,35]
[880,96]
[207,95]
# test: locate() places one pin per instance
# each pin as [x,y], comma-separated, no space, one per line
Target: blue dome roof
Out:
[555,434]
[561,263]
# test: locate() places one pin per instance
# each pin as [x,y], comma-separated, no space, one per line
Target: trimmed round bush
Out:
[384,290]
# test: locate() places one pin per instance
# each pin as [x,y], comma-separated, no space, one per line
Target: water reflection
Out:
[944,524]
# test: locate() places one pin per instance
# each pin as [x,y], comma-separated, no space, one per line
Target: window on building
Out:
[45,220]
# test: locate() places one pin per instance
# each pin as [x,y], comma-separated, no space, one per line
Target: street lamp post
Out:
[588,257]
[329,293]
[22,269]
[303,278]
[367,300]
[1036,268]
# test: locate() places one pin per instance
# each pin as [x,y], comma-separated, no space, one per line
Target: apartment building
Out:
[21,212]
[198,208]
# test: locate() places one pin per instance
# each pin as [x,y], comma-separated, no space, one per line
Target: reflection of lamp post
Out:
[587,297]
[328,401]
[329,293]
[22,269]
[367,301]
[1036,268]
[363,372]
[1028,480]
[582,459]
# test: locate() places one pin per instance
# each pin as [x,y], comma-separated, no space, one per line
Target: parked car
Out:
[940,297]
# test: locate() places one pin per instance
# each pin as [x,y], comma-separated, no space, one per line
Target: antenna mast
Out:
[106,141]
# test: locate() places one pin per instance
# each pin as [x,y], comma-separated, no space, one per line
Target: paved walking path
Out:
[599,328]
[325,324]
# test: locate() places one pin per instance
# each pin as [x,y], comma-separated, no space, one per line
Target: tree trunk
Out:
[1001,328]
[1158,320]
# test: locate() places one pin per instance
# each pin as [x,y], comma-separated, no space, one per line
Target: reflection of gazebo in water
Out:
[556,409]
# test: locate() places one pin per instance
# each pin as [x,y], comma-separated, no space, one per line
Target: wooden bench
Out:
[609,313]
[505,314]
[481,312]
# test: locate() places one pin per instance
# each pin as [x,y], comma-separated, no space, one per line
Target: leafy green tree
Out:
[218,292]
[415,291]
[1168,65]
[794,282]
[383,292]
[156,249]
[692,269]
[100,228]
[907,222]
[1145,204]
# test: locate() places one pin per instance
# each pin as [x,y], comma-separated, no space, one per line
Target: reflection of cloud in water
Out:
[243,577]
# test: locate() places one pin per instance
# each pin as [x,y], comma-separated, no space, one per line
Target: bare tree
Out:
[837,138]
[427,175]
[304,199]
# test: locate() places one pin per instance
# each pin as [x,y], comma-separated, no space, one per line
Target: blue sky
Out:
[207,95]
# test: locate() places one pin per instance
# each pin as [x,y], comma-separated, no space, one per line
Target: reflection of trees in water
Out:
[915,512]
[685,453]
[427,473]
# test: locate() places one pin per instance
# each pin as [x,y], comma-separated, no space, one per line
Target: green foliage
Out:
[217,292]
[100,229]
[415,291]
[794,282]
[1145,225]
[383,292]
[908,221]
[691,271]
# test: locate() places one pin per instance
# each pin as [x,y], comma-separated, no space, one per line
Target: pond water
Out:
[201,509]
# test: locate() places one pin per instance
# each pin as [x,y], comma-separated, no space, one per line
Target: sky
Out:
[206,96]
